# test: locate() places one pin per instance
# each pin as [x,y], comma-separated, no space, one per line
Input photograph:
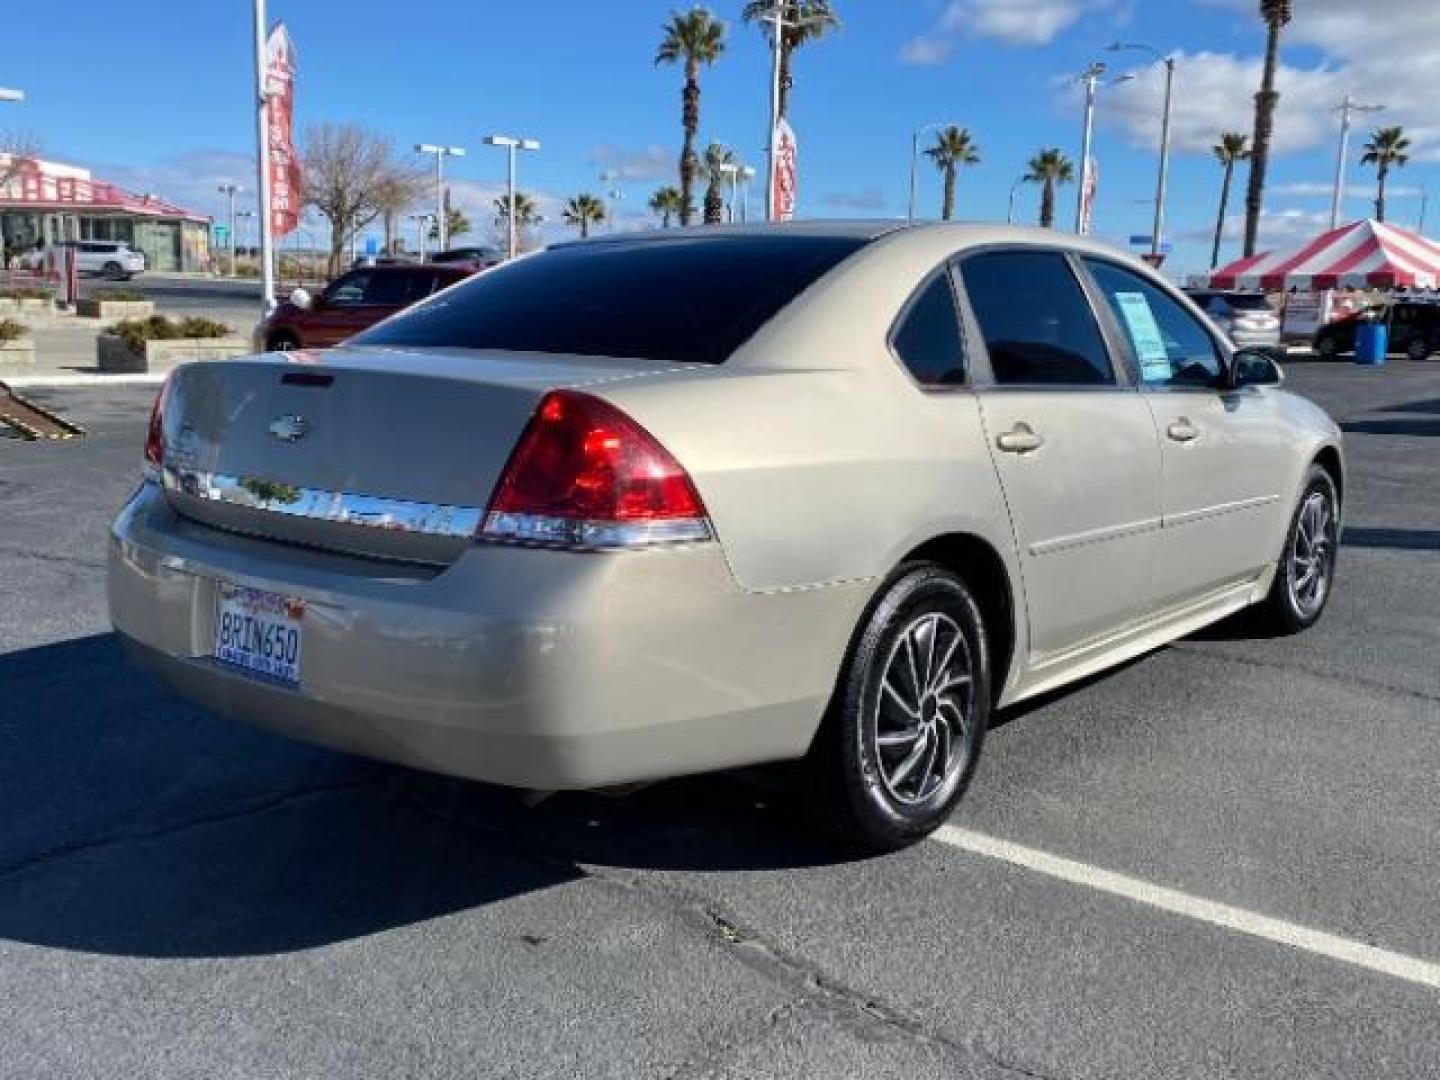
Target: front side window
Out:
[1170,345]
[1036,321]
[349,290]
[928,341]
[389,289]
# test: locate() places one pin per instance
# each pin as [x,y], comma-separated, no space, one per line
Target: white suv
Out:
[109,258]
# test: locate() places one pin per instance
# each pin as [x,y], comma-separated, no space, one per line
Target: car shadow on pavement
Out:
[1399,426]
[133,824]
[1401,539]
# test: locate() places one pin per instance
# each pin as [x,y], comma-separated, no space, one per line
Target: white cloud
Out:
[649,163]
[1387,58]
[1318,189]
[1018,23]
[870,198]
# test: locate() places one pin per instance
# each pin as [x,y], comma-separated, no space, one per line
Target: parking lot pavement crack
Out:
[50,556]
[249,808]
[1349,678]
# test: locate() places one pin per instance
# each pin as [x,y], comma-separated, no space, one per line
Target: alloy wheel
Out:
[1312,553]
[923,735]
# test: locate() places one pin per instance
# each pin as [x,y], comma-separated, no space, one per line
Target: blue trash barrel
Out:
[1370,343]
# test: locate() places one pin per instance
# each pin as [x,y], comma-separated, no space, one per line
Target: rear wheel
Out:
[904,731]
[114,271]
[1327,347]
[1307,566]
[1417,348]
[282,341]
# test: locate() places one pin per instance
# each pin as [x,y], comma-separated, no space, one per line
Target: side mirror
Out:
[1253,367]
[302,299]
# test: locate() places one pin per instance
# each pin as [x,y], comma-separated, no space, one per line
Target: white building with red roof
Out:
[48,202]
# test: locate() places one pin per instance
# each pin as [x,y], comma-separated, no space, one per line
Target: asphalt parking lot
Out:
[183,897]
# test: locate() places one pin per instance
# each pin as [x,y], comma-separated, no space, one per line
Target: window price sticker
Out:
[1145,336]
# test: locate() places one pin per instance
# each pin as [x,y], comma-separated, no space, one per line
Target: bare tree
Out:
[394,196]
[16,148]
[352,175]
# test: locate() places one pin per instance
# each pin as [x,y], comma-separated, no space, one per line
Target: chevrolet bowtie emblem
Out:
[289,428]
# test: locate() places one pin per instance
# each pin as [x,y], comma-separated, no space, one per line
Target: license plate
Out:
[259,632]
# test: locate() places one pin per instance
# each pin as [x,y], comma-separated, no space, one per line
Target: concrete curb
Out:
[45,382]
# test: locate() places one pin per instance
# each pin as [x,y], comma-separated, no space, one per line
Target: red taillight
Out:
[585,475]
[155,434]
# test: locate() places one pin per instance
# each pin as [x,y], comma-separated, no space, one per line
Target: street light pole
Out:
[1091,78]
[442,229]
[229,191]
[421,220]
[1424,203]
[731,170]
[512,144]
[262,162]
[748,173]
[1157,230]
[1345,109]
[778,25]
[1014,190]
[914,159]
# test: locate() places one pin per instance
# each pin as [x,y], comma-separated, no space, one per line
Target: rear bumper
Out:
[522,667]
[1255,339]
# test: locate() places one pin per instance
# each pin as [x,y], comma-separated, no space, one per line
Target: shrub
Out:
[136,332]
[118,295]
[10,330]
[26,292]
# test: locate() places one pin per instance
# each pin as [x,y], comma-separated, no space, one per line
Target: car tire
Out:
[1417,349]
[1327,347]
[282,341]
[113,270]
[903,733]
[1296,600]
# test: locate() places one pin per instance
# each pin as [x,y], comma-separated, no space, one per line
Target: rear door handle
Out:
[1021,439]
[1183,430]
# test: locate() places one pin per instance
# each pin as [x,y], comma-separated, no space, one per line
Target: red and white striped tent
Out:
[1363,254]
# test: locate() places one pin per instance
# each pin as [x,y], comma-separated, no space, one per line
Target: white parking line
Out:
[1279,931]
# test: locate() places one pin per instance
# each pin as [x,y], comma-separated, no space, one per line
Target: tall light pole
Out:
[230,191]
[1156,233]
[731,170]
[747,173]
[1346,108]
[1424,205]
[512,144]
[914,158]
[441,153]
[262,166]
[778,25]
[1014,190]
[1091,78]
[421,221]
[610,188]
[243,216]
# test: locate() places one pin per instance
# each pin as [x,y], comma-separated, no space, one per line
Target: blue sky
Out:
[160,101]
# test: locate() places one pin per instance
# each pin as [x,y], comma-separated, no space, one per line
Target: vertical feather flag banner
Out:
[785,171]
[285,178]
[1087,195]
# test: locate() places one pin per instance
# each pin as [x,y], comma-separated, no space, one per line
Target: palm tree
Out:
[717,157]
[1276,14]
[582,210]
[695,37]
[1049,168]
[1385,150]
[526,213]
[666,202]
[1231,148]
[953,147]
[806,21]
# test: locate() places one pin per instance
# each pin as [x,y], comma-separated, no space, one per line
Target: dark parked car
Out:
[1414,329]
[352,302]
[482,257]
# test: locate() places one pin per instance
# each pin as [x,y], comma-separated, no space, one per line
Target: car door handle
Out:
[1021,439]
[1183,430]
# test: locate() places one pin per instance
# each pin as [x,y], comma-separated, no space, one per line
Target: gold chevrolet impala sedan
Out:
[660,504]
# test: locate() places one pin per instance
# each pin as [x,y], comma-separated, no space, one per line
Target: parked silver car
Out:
[112,259]
[1245,317]
[654,505]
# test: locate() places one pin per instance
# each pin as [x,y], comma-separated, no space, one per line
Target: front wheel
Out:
[1327,347]
[903,734]
[114,271]
[1417,348]
[1306,573]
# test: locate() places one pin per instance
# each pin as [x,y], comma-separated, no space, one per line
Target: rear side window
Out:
[388,290]
[1170,345]
[686,299]
[927,339]
[1036,320]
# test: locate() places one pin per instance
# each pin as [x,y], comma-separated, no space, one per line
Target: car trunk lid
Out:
[380,452]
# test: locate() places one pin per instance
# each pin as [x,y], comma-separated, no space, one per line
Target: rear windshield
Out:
[683,300]
[1247,301]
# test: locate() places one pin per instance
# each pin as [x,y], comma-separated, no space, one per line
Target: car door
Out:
[1073,443]
[1226,455]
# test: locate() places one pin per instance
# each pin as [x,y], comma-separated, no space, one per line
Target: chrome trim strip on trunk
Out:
[339,507]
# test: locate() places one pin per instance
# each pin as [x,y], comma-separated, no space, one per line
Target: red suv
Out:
[351,303]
